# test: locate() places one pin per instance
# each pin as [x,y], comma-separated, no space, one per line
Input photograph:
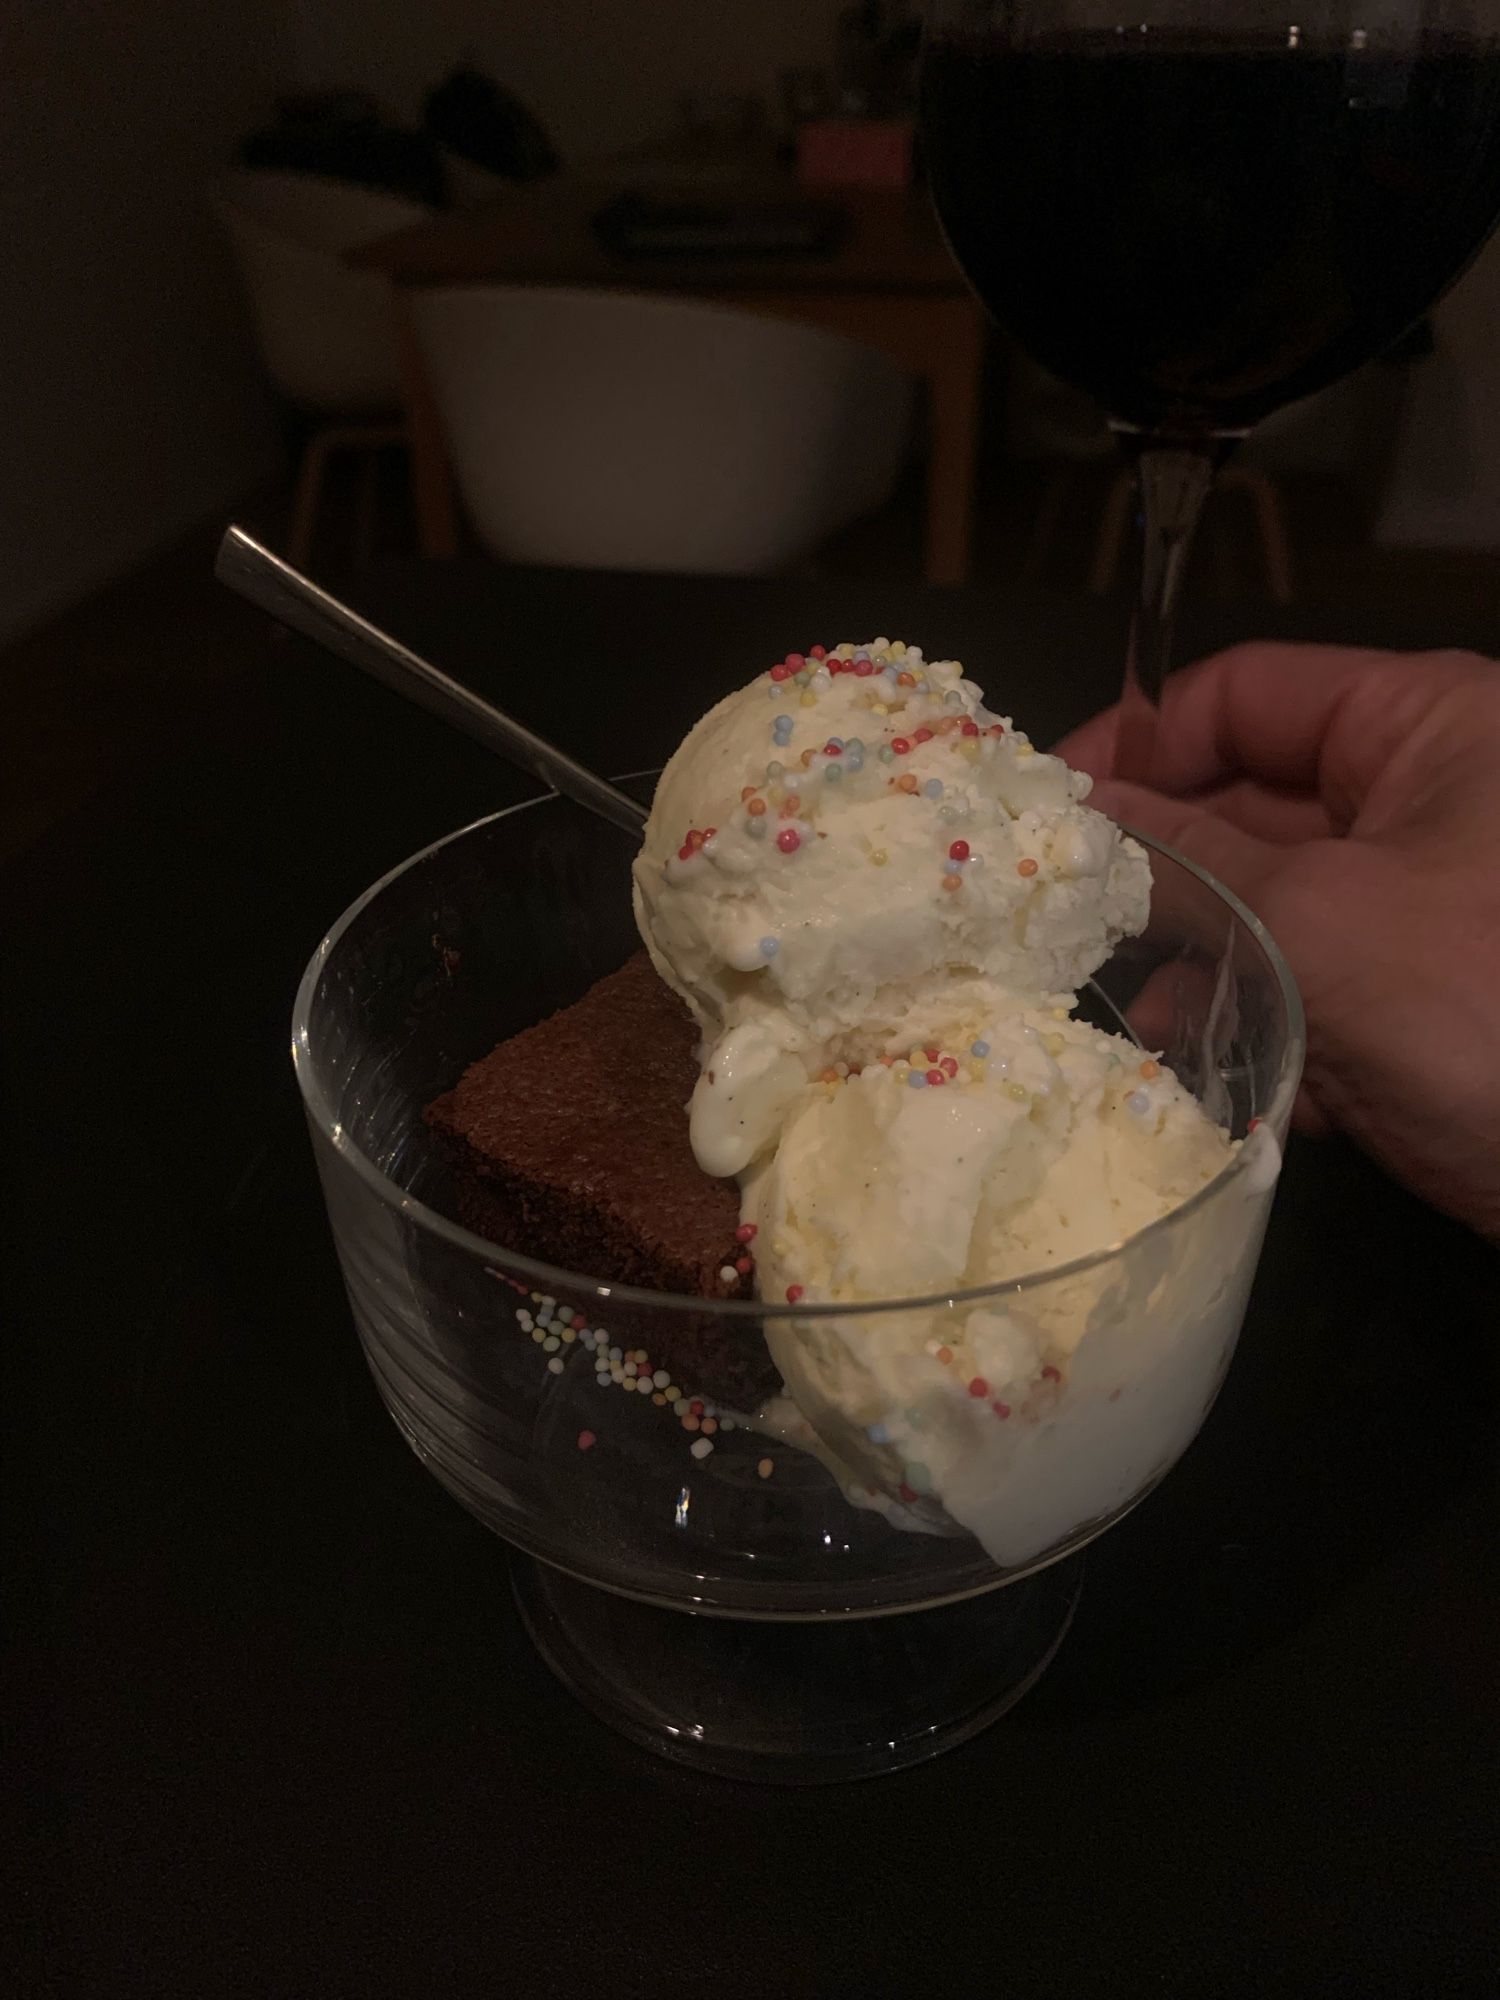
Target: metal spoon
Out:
[249,568]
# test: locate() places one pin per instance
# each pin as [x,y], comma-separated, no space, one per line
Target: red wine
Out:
[1197,233]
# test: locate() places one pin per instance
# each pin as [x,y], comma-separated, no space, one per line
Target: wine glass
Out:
[1199,214]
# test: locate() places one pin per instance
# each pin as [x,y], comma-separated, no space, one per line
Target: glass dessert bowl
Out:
[720,1581]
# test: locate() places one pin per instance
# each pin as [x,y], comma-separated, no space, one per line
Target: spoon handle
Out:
[252,570]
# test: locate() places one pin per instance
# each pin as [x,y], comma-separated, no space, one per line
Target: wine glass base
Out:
[797,1703]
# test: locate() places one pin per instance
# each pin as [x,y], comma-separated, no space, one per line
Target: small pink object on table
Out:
[855,152]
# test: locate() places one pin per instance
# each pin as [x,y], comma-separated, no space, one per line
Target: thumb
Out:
[1235,858]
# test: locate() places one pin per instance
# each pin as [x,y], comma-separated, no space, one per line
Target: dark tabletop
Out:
[271,1724]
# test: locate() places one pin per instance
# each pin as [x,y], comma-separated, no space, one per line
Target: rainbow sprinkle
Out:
[554,1328]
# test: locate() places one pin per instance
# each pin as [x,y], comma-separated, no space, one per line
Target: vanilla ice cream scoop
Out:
[837,848]
[944,1173]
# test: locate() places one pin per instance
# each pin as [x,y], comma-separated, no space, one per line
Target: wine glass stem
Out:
[1172,477]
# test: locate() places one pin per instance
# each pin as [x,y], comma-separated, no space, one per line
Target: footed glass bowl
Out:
[845,1624]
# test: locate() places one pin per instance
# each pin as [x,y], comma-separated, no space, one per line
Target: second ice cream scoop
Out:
[853,850]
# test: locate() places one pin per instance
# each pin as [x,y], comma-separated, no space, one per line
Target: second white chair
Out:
[607,430]
[326,331]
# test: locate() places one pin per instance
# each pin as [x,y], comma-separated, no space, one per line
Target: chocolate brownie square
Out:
[569,1143]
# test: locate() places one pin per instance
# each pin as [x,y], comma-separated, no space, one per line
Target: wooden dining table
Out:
[890,283]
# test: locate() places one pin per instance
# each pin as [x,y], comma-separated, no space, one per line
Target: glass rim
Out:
[547,1278]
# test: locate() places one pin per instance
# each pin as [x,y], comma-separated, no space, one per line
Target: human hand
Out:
[1352,799]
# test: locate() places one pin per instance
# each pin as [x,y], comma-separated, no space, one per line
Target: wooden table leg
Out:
[433,493]
[1111,540]
[954,375]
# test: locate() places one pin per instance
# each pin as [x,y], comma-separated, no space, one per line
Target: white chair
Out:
[326,332]
[602,430]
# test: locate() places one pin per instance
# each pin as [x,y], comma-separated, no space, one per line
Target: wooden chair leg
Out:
[1112,524]
[1213,547]
[1270,525]
[433,487]
[1270,518]
[309,492]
